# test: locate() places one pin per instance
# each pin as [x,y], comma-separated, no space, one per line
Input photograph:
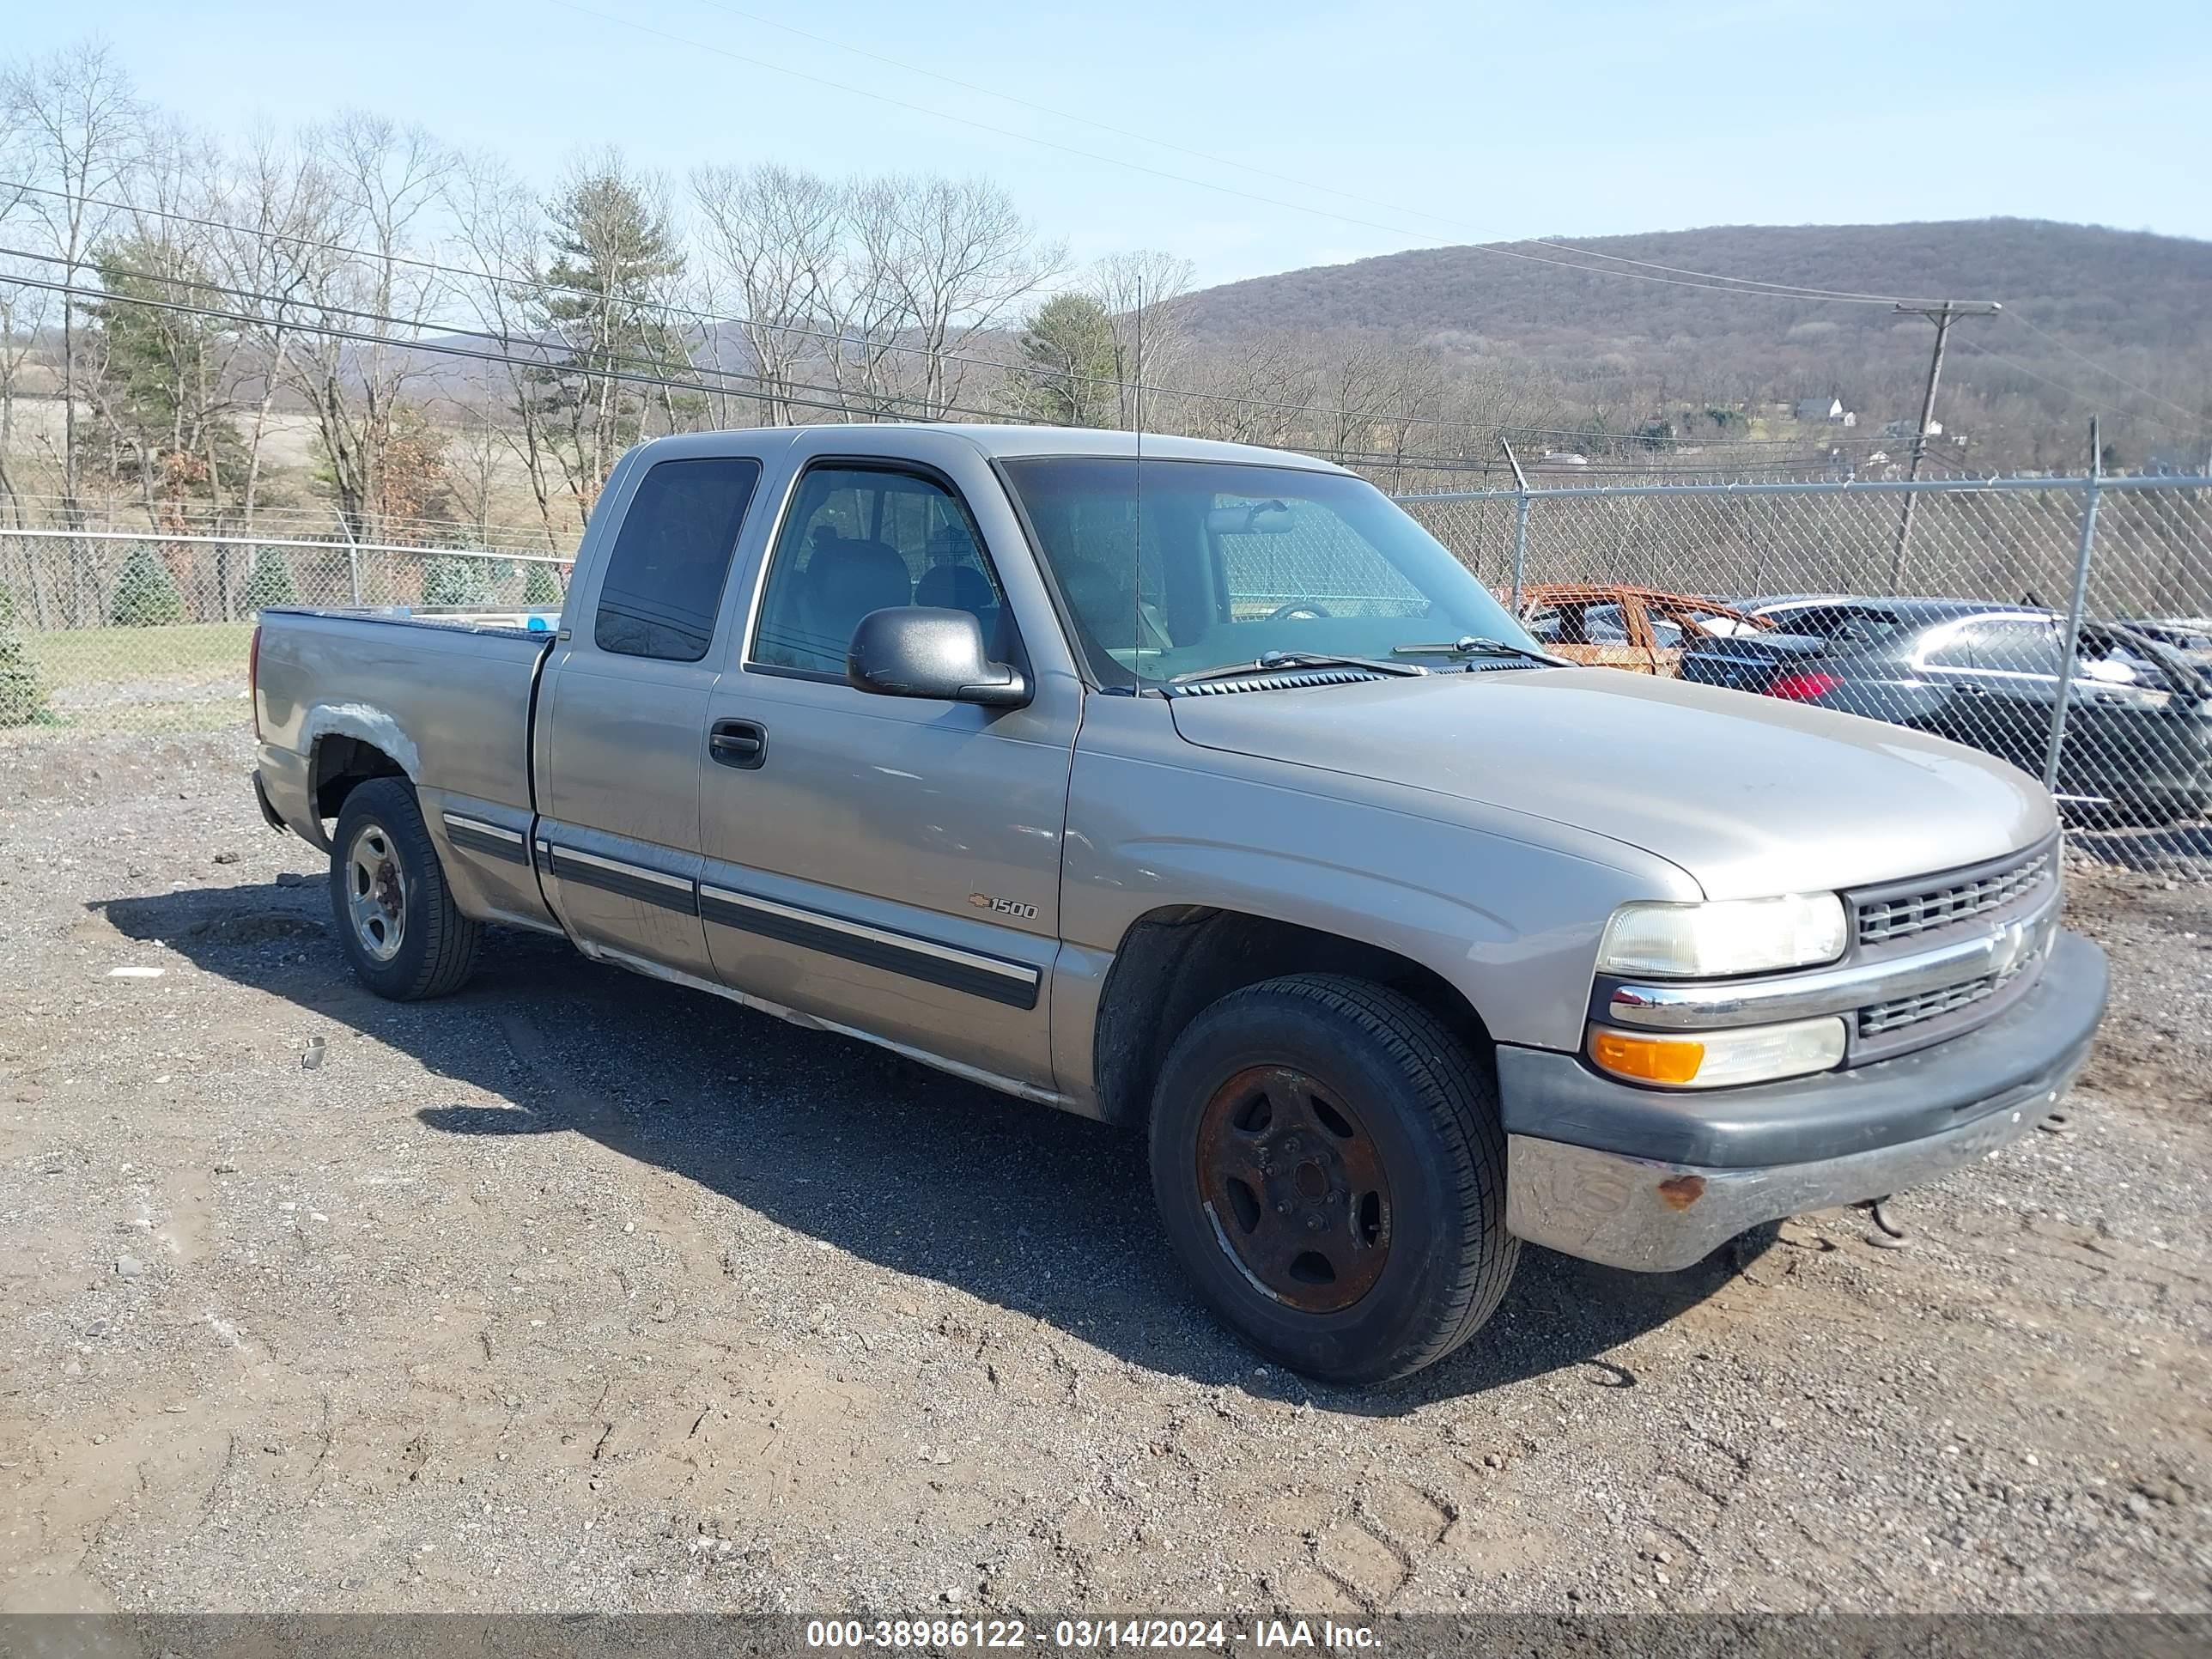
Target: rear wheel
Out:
[402,932]
[1330,1168]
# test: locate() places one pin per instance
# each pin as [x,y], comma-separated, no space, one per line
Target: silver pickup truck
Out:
[1194,787]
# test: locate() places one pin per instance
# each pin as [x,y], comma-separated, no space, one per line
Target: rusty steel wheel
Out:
[1295,1188]
[1329,1167]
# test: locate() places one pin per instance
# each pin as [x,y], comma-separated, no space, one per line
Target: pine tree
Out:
[456,581]
[269,582]
[614,253]
[159,370]
[146,594]
[22,698]
[1066,376]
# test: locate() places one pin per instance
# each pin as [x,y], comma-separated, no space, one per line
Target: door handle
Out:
[741,743]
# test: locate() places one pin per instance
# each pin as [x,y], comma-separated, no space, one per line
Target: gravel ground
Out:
[578,1292]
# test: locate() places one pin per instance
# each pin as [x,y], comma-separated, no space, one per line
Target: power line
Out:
[2076,392]
[1796,290]
[1377,459]
[2196,416]
[1723,285]
[323,330]
[669,309]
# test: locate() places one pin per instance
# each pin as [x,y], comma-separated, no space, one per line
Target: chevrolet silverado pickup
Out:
[1194,787]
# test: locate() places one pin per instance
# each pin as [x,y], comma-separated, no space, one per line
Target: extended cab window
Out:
[665,575]
[862,538]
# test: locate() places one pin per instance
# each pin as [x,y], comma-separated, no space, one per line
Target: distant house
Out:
[1906,428]
[1562,458]
[1820,409]
[1850,418]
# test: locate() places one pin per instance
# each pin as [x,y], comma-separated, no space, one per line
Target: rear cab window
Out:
[671,560]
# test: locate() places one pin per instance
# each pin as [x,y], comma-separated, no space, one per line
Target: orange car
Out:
[1611,625]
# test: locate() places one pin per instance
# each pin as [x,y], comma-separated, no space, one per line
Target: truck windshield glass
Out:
[1231,562]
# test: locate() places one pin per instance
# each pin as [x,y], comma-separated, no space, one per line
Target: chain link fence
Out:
[2061,623]
[2064,624]
[111,630]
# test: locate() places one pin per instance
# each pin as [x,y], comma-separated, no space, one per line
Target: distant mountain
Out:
[2137,303]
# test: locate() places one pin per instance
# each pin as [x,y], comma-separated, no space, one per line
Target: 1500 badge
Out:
[1002,906]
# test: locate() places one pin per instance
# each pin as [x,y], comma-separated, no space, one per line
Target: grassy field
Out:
[187,677]
[78,657]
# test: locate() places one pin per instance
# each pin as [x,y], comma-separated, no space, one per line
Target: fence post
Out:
[1520,521]
[2074,610]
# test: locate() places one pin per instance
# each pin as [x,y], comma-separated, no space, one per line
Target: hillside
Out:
[2139,304]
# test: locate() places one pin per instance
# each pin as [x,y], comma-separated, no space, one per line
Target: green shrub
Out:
[146,594]
[271,582]
[448,580]
[541,588]
[22,699]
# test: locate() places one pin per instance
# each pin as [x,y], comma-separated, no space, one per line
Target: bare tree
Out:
[771,238]
[73,125]
[940,264]
[1256,393]
[1144,293]
[276,201]
[382,180]
[501,223]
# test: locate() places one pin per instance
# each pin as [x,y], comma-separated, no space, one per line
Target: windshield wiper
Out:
[1268,661]
[1472,645]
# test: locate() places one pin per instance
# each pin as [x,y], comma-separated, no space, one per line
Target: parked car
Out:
[2189,636]
[1612,625]
[1401,942]
[1814,614]
[2139,718]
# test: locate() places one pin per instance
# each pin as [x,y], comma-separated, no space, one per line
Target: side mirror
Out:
[913,651]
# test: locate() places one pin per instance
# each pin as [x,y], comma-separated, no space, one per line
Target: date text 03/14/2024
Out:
[1200,1635]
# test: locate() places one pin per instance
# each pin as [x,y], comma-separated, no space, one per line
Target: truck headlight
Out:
[1713,1059]
[1723,938]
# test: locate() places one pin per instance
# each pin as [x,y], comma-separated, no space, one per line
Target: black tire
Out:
[1427,1107]
[435,951]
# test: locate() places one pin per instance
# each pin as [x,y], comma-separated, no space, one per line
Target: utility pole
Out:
[1942,316]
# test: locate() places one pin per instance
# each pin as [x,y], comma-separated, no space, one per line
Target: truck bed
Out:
[448,698]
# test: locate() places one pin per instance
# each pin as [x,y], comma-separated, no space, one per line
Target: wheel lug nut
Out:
[1283,1208]
[1313,1224]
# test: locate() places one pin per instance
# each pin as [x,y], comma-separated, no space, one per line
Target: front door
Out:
[892,864]
[623,712]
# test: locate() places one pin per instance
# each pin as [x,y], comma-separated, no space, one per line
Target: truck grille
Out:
[1881,1018]
[1902,916]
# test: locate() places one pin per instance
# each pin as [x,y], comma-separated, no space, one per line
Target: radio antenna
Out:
[1137,415]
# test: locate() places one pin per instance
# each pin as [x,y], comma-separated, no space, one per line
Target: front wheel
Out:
[403,934]
[1330,1168]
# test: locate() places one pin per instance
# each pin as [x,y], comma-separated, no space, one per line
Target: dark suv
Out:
[2139,719]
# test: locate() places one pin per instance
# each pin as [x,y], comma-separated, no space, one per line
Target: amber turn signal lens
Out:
[1647,1059]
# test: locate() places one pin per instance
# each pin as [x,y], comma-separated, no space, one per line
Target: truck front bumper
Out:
[1652,1180]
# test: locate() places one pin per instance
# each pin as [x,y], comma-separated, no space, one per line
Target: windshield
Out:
[1232,562]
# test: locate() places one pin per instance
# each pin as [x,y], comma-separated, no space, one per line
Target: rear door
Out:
[2014,686]
[623,711]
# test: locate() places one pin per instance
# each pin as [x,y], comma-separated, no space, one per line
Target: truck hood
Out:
[1750,795]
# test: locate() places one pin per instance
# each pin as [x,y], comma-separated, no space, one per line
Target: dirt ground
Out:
[577,1291]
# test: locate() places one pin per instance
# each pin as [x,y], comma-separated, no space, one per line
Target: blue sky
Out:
[1432,123]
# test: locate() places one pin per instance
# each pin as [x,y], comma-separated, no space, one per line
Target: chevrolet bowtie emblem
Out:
[2009,946]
